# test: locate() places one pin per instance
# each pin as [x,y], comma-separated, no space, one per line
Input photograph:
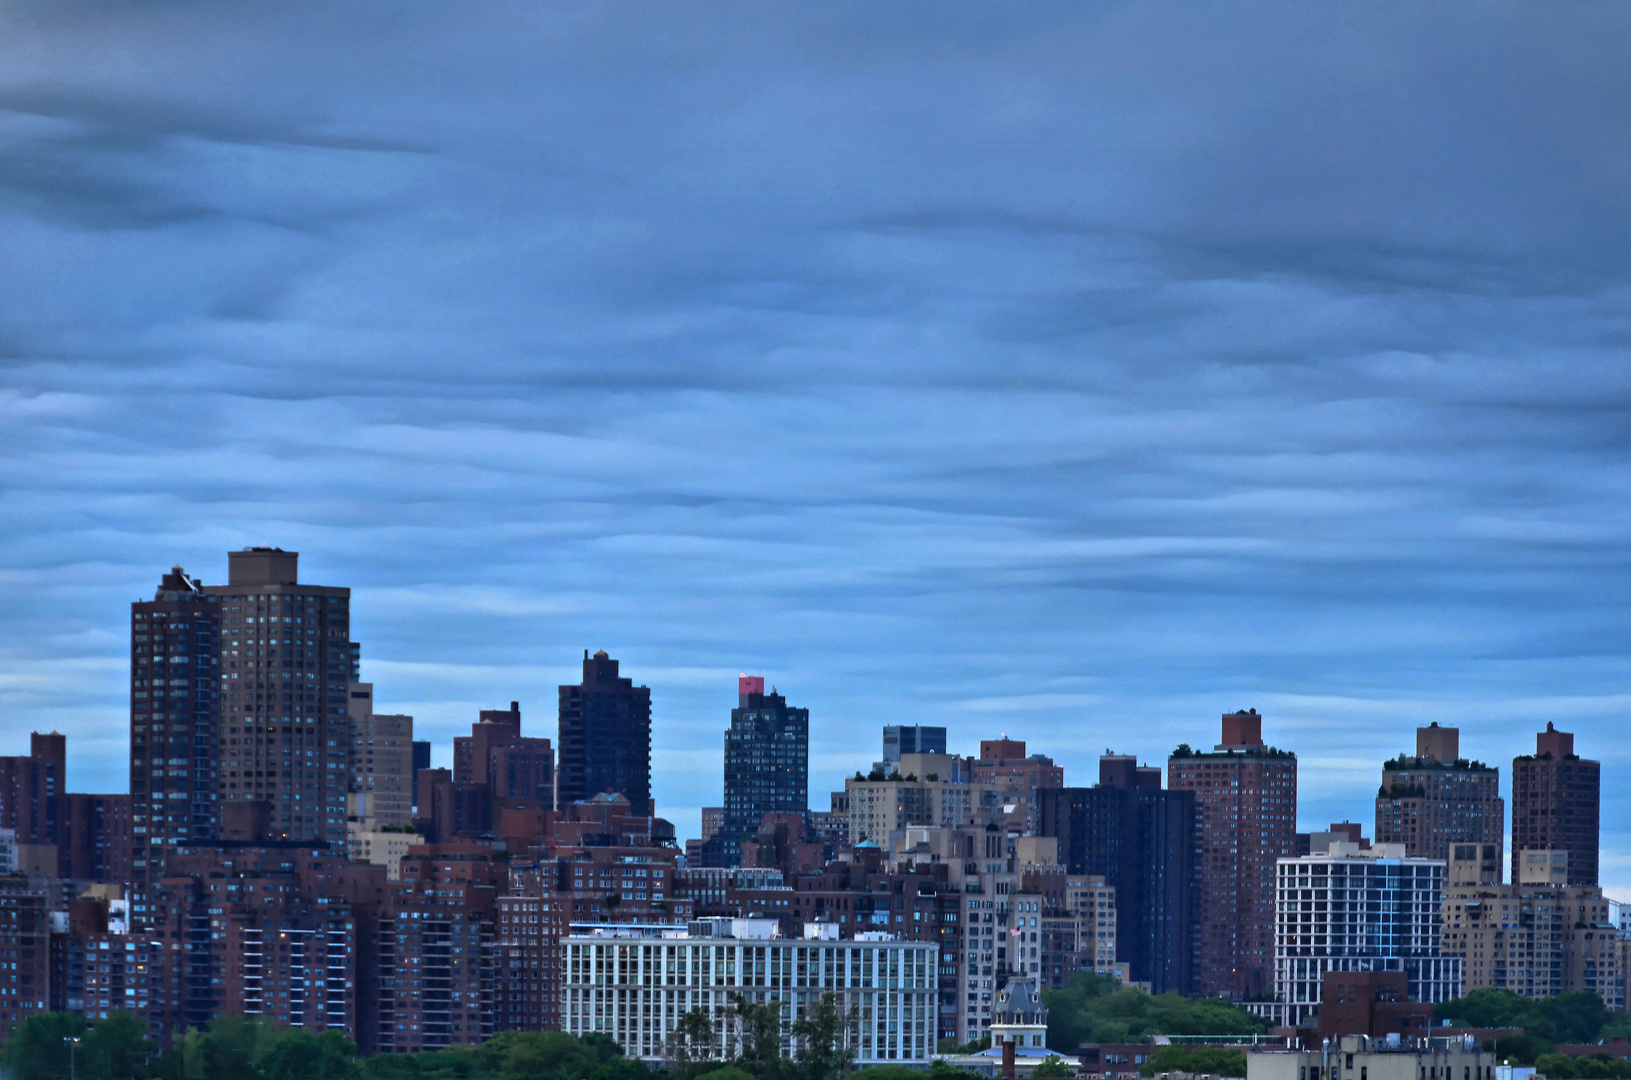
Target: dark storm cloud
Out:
[1079,372]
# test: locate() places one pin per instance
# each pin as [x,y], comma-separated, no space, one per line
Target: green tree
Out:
[392,1066]
[729,1072]
[759,1038]
[604,1046]
[1522,1049]
[36,1049]
[1576,1017]
[693,1047]
[1096,1008]
[230,1048]
[116,1047]
[622,1068]
[825,1050]
[300,1055]
[1053,1066]
[1555,1066]
[545,1055]
[1218,1060]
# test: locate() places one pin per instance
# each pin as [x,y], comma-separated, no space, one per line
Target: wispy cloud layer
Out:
[1074,372]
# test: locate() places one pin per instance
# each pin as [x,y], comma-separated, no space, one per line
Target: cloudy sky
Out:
[1073,371]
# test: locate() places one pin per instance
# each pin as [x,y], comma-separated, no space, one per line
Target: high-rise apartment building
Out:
[513,766]
[1556,804]
[381,761]
[175,703]
[605,737]
[767,767]
[32,789]
[25,933]
[1246,811]
[286,661]
[93,838]
[1141,840]
[1536,938]
[1347,909]
[1438,798]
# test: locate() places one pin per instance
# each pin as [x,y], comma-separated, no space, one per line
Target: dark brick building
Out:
[605,737]
[1556,804]
[1142,841]
[767,767]
[175,703]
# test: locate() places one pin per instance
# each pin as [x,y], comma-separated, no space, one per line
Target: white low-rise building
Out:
[1361,1057]
[634,983]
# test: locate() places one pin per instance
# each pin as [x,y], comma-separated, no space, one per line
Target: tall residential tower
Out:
[1438,798]
[287,661]
[175,709]
[605,737]
[1142,841]
[1556,803]
[767,766]
[1246,806]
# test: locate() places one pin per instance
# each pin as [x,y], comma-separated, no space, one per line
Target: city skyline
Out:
[1075,373]
[347,659]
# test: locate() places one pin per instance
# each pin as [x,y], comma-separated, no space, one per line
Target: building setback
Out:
[1141,840]
[605,737]
[767,767]
[1349,910]
[1246,816]
[1556,804]
[634,983]
[1437,798]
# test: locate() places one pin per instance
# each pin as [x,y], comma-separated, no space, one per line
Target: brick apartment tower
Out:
[286,660]
[605,737]
[1438,798]
[1556,804]
[175,703]
[1246,818]
[513,766]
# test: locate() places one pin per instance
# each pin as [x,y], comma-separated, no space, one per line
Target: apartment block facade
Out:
[1246,814]
[1436,798]
[1557,804]
[1142,841]
[1351,910]
[634,983]
[605,736]
[175,711]
[286,663]
[767,767]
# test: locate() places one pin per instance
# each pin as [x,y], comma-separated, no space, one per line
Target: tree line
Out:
[45,1046]
[1578,1017]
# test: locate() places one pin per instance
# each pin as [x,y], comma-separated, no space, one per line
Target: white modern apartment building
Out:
[635,982]
[1348,909]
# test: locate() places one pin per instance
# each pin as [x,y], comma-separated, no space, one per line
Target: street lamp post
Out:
[73,1056]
